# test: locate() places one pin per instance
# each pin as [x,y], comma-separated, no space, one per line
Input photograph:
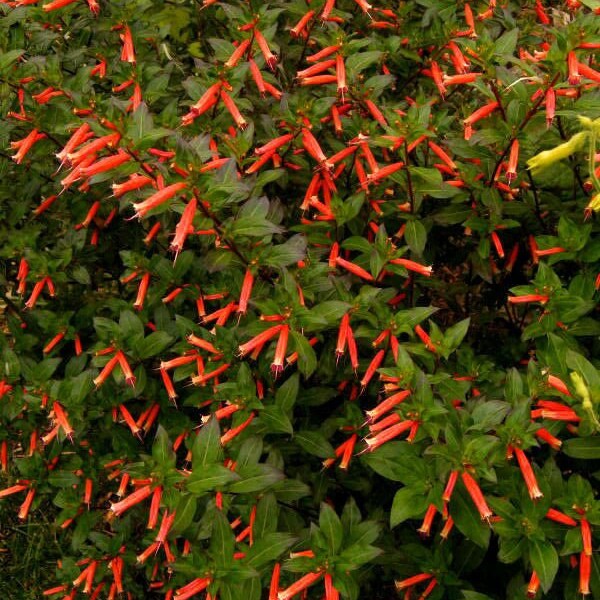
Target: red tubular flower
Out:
[135,498]
[430,513]
[280,350]
[480,113]
[106,371]
[154,507]
[233,110]
[387,434]
[372,368]
[442,155]
[384,172]
[158,198]
[24,146]
[533,586]
[257,76]
[340,71]
[245,292]
[318,80]
[436,75]
[259,340]
[127,52]
[269,57]
[311,145]
[142,290]
[447,495]
[558,384]
[60,417]
[497,244]
[56,4]
[387,405]
[585,568]
[550,104]
[528,474]
[25,507]
[586,536]
[354,269]
[411,265]
[53,342]
[513,161]
[274,585]
[105,164]
[573,68]
[540,11]
[235,431]
[425,338]
[302,584]
[191,589]
[541,298]
[237,54]
[184,227]
[300,28]
[477,496]
[411,581]
[202,379]
[448,526]
[330,592]
[544,435]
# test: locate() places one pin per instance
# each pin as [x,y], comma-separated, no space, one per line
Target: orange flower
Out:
[476,495]
[233,110]
[24,146]
[184,227]
[528,474]
[135,498]
[302,584]
[127,52]
[387,405]
[280,350]
[237,54]
[158,198]
[56,4]
[387,434]
[354,269]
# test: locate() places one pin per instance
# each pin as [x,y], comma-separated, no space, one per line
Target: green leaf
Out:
[286,394]
[454,335]
[288,253]
[207,445]
[210,478]
[184,514]
[353,557]
[506,44]
[359,61]
[408,503]
[153,344]
[307,359]
[254,227]
[544,561]
[407,319]
[467,519]
[268,548]
[415,236]
[314,443]
[10,57]
[276,420]
[255,478]
[222,540]
[331,527]
[162,451]
[583,447]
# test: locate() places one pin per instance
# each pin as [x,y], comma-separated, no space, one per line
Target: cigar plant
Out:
[299,299]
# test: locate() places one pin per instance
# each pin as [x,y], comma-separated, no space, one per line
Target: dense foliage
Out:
[299,299]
